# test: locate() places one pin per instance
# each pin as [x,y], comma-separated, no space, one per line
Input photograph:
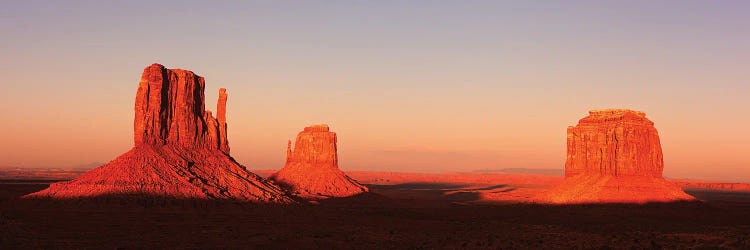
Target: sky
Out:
[413,86]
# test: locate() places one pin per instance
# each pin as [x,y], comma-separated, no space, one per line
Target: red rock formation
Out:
[614,156]
[221,116]
[312,169]
[614,142]
[169,110]
[180,150]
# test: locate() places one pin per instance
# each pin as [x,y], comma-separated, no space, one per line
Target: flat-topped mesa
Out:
[615,142]
[315,145]
[170,110]
[615,113]
[610,115]
[317,128]
[614,156]
[312,170]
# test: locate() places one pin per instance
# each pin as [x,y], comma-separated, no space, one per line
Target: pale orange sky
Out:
[407,87]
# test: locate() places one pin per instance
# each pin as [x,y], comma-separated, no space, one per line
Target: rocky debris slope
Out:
[614,156]
[181,150]
[312,169]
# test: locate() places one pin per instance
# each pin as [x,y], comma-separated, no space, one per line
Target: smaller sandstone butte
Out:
[614,156]
[180,150]
[614,142]
[312,170]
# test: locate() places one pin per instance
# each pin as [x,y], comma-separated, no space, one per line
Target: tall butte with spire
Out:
[614,156]
[180,150]
[312,169]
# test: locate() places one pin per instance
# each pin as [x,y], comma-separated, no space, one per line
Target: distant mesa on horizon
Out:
[180,150]
[312,171]
[536,171]
[614,156]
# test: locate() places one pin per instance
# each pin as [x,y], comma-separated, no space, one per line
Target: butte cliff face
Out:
[312,169]
[180,150]
[614,156]
[614,142]
[170,110]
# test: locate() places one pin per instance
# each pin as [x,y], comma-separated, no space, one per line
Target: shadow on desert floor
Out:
[393,217]
[450,192]
[413,215]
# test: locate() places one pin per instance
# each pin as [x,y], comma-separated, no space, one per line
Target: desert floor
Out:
[402,211]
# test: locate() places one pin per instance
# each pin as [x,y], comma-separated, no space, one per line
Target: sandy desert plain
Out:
[402,210]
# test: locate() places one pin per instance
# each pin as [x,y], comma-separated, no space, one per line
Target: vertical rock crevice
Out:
[170,110]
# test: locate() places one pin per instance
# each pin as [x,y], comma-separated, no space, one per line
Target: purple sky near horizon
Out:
[420,86]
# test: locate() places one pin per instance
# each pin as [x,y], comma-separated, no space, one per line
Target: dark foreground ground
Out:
[396,216]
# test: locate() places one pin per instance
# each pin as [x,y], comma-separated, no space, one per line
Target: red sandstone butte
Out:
[180,150]
[312,170]
[614,156]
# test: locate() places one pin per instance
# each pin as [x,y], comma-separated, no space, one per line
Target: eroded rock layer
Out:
[614,142]
[180,150]
[312,169]
[170,109]
[614,156]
